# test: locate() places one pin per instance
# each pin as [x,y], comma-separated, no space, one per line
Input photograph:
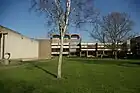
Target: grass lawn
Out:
[80,75]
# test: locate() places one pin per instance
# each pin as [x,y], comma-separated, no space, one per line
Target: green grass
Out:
[80,75]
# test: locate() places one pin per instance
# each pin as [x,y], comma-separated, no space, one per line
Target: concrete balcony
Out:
[74,40]
[59,52]
[72,50]
[55,40]
[54,43]
[74,46]
[97,49]
[88,49]
[100,46]
[104,49]
[66,40]
[59,46]
[83,44]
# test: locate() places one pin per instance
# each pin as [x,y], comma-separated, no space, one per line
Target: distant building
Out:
[74,47]
[71,45]
[98,49]
[135,46]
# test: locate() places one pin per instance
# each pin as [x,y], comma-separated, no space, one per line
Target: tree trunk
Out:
[116,56]
[96,50]
[62,32]
[60,58]
[116,51]
[103,54]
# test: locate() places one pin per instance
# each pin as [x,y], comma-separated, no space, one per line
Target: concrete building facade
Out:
[19,46]
[74,47]
[135,47]
[71,45]
[44,48]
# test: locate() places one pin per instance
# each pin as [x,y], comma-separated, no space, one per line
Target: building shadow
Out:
[136,63]
[130,64]
[107,62]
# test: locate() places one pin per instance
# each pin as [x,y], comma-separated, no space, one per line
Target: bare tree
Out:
[114,28]
[117,28]
[63,13]
[98,34]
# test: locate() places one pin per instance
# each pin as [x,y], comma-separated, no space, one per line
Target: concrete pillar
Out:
[80,53]
[69,48]
[3,46]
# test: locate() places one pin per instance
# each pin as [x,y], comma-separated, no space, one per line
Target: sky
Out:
[14,14]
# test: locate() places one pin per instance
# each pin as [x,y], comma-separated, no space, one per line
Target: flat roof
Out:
[3,27]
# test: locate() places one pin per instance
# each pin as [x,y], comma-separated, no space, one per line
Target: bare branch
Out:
[61,13]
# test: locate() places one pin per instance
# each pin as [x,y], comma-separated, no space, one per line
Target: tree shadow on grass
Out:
[41,68]
[46,71]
